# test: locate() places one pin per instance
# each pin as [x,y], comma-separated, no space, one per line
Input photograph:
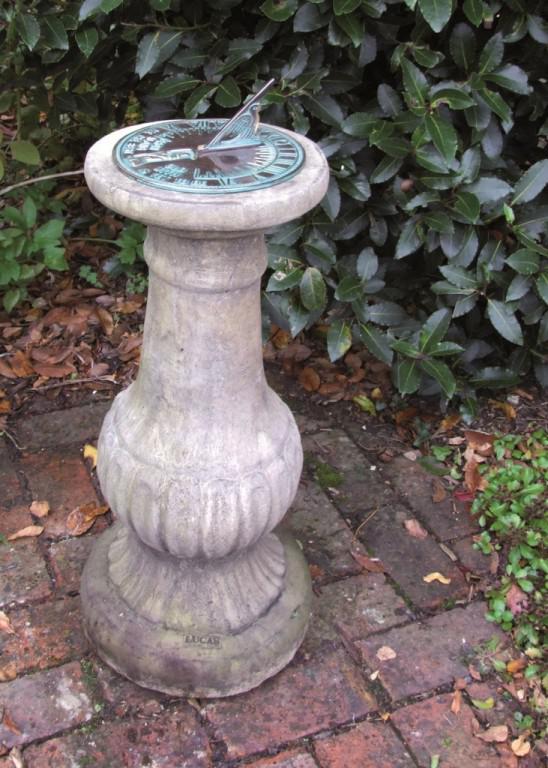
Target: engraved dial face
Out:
[173,155]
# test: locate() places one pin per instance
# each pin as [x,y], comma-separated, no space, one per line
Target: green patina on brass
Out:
[210,156]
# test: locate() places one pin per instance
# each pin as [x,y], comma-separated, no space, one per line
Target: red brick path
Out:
[371,687]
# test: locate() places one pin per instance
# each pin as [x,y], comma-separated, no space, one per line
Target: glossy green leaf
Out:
[25,152]
[349,289]
[434,329]
[459,276]
[510,77]
[442,374]
[360,124]
[376,342]
[386,169]
[341,7]
[524,261]
[454,97]
[519,286]
[54,32]
[308,18]
[468,206]
[531,183]
[504,320]
[495,102]
[443,135]
[491,54]
[462,45]
[172,86]
[473,10]
[228,93]
[86,39]
[367,264]
[489,189]
[439,221]
[393,146]
[154,48]
[279,10]
[28,29]
[415,83]
[312,289]
[436,12]
[280,281]
[407,376]
[410,239]
[542,286]
[197,102]
[339,339]
[325,108]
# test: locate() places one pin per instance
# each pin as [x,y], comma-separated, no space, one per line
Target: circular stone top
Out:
[203,213]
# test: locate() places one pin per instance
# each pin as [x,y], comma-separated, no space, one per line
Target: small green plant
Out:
[513,511]
[327,476]
[30,241]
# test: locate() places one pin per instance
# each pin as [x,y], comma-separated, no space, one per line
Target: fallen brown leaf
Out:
[448,423]
[516,600]
[5,370]
[27,532]
[456,701]
[39,508]
[474,674]
[516,665]
[5,624]
[436,576]
[5,406]
[54,371]
[508,409]
[472,478]
[480,442]
[372,564]
[106,320]
[330,388]
[385,653]
[309,379]
[316,572]
[353,361]
[20,364]
[280,338]
[439,493]
[9,723]
[82,518]
[520,747]
[405,416]
[494,733]
[8,672]
[415,529]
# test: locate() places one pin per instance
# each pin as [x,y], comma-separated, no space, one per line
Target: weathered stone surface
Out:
[429,653]
[199,459]
[67,560]
[303,699]
[361,488]
[46,635]
[13,519]
[361,605]
[291,759]
[367,745]
[63,480]
[9,482]
[430,728]
[124,696]
[171,740]
[43,704]
[23,574]
[326,539]
[56,429]
[448,519]
[472,559]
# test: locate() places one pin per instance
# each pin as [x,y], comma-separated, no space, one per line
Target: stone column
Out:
[193,591]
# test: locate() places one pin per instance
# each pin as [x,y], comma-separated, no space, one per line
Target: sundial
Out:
[210,156]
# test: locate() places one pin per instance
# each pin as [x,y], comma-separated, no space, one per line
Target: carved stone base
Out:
[144,620]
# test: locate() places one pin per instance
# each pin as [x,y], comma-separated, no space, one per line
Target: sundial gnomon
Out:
[210,155]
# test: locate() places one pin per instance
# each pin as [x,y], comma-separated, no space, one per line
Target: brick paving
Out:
[371,686]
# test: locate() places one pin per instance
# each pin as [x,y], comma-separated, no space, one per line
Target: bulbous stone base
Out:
[171,653]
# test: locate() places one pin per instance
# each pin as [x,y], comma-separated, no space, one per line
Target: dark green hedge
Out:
[430,246]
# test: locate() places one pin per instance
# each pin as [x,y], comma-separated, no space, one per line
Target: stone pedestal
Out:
[193,591]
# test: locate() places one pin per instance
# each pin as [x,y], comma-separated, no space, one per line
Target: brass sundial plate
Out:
[168,155]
